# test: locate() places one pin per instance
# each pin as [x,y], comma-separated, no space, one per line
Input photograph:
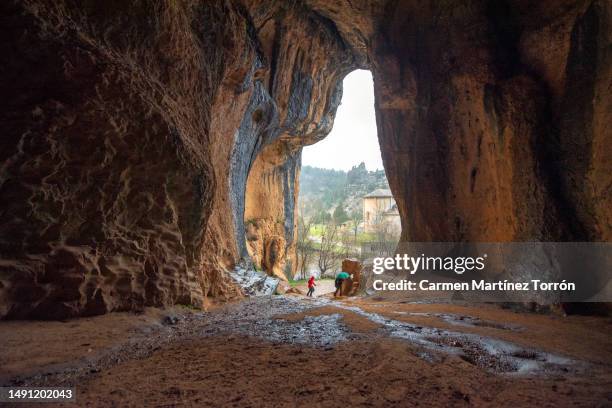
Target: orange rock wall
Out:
[130,130]
[270,203]
[488,119]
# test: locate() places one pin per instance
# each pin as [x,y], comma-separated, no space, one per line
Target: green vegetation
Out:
[340,216]
[317,230]
[330,219]
[331,194]
[189,306]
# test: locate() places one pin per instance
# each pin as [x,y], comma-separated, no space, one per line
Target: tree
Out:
[340,216]
[329,252]
[355,218]
[304,245]
[386,236]
[321,217]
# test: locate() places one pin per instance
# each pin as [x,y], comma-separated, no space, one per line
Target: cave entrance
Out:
[345,206]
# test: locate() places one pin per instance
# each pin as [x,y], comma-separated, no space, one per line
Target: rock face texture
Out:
[106,176]
[270,209]
[148,146]
[488,117]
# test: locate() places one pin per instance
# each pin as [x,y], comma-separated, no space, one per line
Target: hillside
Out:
[322,190]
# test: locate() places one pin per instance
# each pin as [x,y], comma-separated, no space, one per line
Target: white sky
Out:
[353,139]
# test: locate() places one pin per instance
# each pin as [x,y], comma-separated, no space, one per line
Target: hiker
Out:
[311,286]
[338,283]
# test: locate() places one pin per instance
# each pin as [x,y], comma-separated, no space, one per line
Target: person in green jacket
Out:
[338,283]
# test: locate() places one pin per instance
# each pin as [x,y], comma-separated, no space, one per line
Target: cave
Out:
[150,162]
[127,153]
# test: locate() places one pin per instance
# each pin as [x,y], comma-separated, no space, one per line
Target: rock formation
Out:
[148,146]
[488,116]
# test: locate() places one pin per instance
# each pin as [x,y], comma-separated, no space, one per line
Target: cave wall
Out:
[302,77]
[490,119]
[270,209]
[130,129]
[139,136]
[106,178]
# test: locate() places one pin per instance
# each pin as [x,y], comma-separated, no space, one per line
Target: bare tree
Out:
[330,251]
[304,245]
[355,219]
[386,236]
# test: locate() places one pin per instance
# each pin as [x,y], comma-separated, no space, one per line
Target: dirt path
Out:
[324,287]
[294,351]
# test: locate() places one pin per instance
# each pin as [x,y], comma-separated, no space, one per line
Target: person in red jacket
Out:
[311,286]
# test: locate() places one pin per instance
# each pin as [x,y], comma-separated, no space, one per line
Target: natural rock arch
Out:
[125,157]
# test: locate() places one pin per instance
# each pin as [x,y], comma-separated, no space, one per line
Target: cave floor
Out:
[295,351]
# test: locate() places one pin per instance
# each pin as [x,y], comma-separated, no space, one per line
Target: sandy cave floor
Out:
[294,351]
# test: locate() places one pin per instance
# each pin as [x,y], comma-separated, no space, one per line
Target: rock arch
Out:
[130,129]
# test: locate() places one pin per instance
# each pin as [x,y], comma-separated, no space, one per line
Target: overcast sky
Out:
[353,138]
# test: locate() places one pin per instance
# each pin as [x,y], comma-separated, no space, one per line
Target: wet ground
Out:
[312,339]
[258,317]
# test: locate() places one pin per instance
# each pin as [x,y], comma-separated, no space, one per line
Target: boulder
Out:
[254,283]
[350,286]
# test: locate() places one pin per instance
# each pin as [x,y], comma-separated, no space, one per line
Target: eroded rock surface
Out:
[139,136]
[474,112]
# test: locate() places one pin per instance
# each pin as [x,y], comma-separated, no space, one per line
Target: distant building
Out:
[380,208]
